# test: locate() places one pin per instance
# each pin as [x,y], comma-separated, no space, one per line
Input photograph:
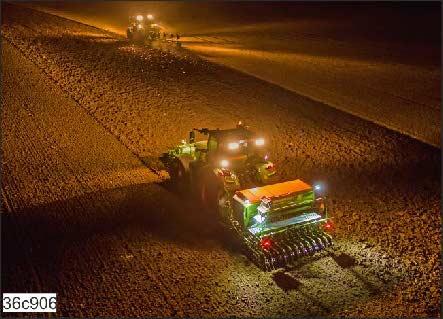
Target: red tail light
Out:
[266,243]
[328,226]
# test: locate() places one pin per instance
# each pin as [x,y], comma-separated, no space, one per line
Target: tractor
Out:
[230,173]
[141,29]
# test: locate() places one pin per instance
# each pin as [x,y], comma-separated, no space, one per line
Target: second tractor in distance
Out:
[142,28]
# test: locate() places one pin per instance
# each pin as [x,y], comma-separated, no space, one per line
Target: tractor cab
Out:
[229,148]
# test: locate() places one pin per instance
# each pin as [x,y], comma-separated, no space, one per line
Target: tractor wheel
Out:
[178,174]
[210,192]
[129,35]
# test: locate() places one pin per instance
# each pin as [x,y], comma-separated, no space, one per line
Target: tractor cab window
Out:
[212,144]
[234,145]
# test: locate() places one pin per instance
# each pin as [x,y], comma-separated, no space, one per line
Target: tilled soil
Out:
[388,72]
[85,116]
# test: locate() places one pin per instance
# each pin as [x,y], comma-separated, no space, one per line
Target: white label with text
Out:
[29,302]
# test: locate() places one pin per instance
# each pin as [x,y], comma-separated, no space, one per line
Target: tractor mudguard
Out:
[208,188]
[185,160]
[266,172]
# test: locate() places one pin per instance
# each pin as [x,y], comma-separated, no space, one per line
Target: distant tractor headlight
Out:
[139,18]
[224,163]
[233,146]
[150,16]
[260,142]
[270,166]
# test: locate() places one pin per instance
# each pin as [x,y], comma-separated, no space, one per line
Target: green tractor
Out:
[230,173]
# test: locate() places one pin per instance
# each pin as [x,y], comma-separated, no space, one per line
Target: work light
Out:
[260,142]
[224,163]
[233,146]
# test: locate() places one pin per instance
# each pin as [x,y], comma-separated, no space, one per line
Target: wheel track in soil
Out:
[103,204]
[55,82]
[58,163]
[376,92]
[237,43]
[53,154]
[150,271]
[27,144]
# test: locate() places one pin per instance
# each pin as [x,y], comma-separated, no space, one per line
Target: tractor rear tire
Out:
[210,191]
[179,176]
[129,35]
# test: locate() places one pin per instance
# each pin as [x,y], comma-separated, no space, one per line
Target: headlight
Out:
[259,218]
[317,187]
[224,163]
[139,18]
[260,142]
[233,146]
[269,166]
